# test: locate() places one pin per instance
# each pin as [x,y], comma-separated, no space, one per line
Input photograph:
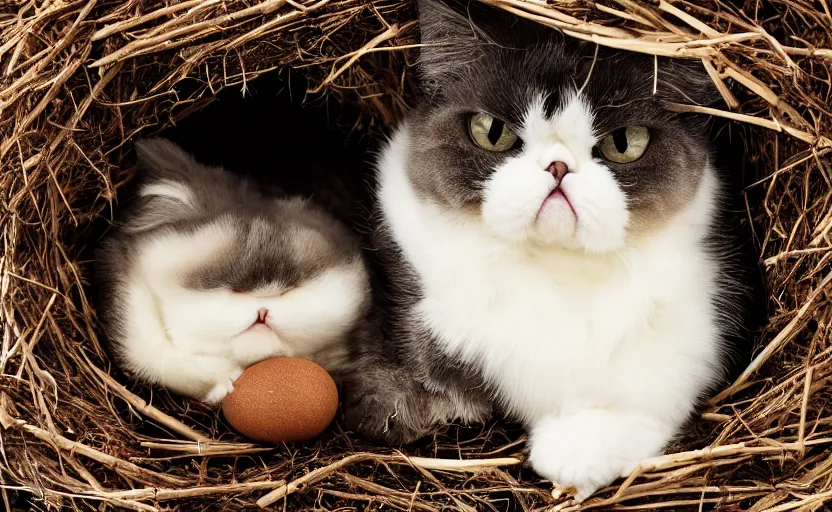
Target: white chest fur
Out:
[556,331]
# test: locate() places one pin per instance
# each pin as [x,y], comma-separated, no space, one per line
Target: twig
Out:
[723,89]
[312,477]
[804,407]
[129,23]
[777,343]
[154,494]
[208,448]
[148,410]
[210,25]
[62,443]
[745,118]
[420,462]
[392,32]
[773,260]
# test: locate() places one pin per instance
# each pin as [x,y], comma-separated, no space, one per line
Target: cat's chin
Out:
[558,226]
[555,199]
[556,222]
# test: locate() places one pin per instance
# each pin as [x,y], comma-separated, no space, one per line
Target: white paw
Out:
[221,375]
[590,449]
[218,393]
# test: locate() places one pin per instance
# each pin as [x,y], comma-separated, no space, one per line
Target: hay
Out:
[81,78]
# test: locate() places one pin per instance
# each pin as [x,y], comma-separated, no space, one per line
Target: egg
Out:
[282,399]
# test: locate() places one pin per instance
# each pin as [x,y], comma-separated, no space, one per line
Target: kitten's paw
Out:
[590,449]
[221,375]
[218,393]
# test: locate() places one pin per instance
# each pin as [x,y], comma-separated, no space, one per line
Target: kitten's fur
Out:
[208,274]
[599,330]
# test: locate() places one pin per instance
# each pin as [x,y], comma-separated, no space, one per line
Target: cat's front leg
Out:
[382,402]
[208,378]
[589,449]
[221,373]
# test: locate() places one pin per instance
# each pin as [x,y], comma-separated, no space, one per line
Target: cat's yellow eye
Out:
[491,134]
[625,145]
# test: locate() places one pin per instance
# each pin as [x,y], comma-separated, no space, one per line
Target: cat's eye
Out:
[492,134]
[625,145]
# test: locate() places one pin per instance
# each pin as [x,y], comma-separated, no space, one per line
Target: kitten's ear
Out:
[159,158]
[686,81]
[166,193]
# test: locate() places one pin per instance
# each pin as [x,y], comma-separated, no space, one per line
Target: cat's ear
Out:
[686,81]
[159,158]
[455,33]
[448,36]
[166,192]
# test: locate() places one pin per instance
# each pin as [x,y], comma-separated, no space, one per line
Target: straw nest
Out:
[80,78]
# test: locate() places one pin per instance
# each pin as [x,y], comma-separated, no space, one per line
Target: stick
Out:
[148,410]
[421,462]
[777,343]
[804,406]
[208,448]
[392,32]
[462,466]
[62,443]
[214,24]
[153,494]
[133,22]
[310,478]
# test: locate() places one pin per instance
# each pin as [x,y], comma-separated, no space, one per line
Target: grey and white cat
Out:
[208,274]
[545,225]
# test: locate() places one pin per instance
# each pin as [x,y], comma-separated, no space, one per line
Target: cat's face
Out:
[233,269]
[238,284]
[545,141]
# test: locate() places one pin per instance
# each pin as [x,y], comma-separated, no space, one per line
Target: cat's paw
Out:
[589,450]
[381,402]
[220,373]
[380,417]
[218,393]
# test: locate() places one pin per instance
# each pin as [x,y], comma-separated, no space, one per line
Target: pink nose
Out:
[262,313]
[558,170]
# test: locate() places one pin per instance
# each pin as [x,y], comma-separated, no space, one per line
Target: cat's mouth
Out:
[260,324]
[556,194]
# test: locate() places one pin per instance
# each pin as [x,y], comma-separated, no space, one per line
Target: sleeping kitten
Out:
[207,274]
[546,225]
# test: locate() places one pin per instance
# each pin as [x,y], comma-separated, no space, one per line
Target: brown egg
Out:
[282,399]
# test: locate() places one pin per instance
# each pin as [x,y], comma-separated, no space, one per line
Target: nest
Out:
[81,78]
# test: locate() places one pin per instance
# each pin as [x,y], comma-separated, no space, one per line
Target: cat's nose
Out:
[262,313]
[558,170]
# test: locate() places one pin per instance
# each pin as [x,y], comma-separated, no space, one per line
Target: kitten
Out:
[207,274]
[546,226]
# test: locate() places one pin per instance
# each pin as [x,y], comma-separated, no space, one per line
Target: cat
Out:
[208,273]
[546,228]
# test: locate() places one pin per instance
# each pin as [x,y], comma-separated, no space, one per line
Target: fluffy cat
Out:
[546,226]
[208,274]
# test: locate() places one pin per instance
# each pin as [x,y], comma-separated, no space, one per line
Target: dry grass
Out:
[80,78]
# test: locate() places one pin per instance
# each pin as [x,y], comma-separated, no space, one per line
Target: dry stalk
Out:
[420,462]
